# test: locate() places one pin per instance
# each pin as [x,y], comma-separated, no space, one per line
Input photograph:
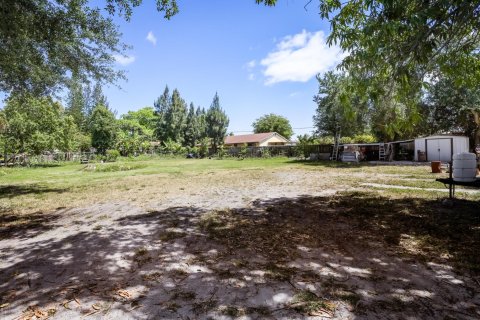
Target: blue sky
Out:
[259,59]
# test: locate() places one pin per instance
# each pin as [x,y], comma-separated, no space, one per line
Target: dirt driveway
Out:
[250,245]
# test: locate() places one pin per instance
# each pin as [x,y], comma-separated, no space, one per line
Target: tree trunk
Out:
[476,135]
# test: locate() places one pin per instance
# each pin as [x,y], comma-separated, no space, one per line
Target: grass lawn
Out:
[73,184]
[222,239]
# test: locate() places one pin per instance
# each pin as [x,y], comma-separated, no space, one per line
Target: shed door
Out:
[439,150]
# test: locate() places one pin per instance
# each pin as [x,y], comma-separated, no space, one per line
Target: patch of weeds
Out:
[311,276]
[224,273]
[103,217]
[395,304]
[231,311]
[213,220]
[171,235]
[240,263]
[141,257]
[114,167]
[204,306]
[172,306]
[154,276]
[179,273]
[307,302]
[351,298]
[184,295]
[260,310]
[278,272]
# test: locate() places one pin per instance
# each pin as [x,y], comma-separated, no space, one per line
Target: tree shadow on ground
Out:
[13,225]
[352,255]
[12,191]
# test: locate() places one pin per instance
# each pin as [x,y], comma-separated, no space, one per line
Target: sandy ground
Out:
[222,246]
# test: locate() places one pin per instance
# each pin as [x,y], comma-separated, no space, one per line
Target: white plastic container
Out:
[464,167]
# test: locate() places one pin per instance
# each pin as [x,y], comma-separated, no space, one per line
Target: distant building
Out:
[256,140]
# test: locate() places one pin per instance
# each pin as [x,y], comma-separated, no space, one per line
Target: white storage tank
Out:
[464,167]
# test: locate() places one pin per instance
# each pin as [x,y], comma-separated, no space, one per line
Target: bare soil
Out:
[260,244]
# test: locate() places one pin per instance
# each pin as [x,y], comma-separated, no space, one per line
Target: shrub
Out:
[243,151]
[112,155]
[364,138]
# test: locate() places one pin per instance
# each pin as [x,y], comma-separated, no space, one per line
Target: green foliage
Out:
[364,138]
[112,155]
[34,125]
[45,41]
[203,149]
[145,117]
[68,135]
[339,109]
[173,148]
[192,130]
[216,123]
[398,39]
[83,141]
[273,123]
[135,131]
[449,108]
[171,111]
[103,129]
[243,151]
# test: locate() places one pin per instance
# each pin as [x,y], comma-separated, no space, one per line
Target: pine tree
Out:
[191,128]
[201,123]
[217,123]
[161,106]
[76,103]
[175,118]
[98,98]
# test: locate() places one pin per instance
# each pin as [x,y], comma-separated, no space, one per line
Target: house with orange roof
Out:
[256,140]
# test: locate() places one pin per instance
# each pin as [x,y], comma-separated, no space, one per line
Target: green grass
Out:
[72,184]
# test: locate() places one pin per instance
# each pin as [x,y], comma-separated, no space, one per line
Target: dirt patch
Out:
[251,245]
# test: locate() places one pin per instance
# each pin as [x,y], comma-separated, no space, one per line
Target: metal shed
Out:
[440,147]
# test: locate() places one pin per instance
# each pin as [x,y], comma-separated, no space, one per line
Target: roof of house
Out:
[252,138]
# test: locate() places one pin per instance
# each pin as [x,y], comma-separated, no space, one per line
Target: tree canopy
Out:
[46,42]
[273,123]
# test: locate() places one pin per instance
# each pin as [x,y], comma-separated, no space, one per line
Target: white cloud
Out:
[294,94]
[251,64]
[151,38]
[251,76]
[300,57]
[123,60]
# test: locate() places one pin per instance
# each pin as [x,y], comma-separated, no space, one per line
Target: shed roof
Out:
[252,138]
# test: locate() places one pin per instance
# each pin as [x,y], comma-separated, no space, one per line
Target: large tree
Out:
[44,42]
[216,123]
[34,125]
[449,108]
[273,123]
[339,110]
[191,134]
[103,128]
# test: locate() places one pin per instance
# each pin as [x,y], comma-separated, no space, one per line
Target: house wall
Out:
[273,140]
[448,145]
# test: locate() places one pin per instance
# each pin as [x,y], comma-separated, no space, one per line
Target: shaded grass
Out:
[420,228]
[309,303]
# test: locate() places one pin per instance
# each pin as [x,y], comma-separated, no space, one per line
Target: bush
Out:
[364,138]
[243,151]
[112,155]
